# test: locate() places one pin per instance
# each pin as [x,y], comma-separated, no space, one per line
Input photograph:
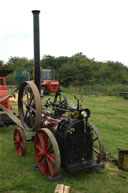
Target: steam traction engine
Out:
[61,140]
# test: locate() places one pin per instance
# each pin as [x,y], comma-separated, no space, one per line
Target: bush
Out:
[98,89]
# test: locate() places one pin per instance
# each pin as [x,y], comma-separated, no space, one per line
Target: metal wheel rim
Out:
[48,164]
[100,152]
[19,141]
[32,125]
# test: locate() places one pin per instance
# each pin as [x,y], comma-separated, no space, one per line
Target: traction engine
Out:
[63,137]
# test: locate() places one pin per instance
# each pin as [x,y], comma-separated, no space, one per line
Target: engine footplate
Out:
[79,166]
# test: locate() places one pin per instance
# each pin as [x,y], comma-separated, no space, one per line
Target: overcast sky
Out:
[98,28]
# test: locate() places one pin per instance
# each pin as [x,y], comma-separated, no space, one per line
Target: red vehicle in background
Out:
[48,82]
[5,120]
[3,88]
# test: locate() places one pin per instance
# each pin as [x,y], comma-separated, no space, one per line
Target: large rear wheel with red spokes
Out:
[47,152]
[19,141]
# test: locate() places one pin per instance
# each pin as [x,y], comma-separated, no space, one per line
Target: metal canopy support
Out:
[36,48]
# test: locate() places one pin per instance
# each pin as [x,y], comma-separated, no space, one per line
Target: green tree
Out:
[1,63]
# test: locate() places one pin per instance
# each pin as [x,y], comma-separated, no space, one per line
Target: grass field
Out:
[110,115]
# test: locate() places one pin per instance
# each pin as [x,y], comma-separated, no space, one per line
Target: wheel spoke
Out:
[16,139]
[42,153]
[25,116]
[41,140]
[21,144]
[95,139]
[39,158]
[40,148]
[50,166]
[17,145]
[16,142]
[46,141]
[28,103]
[96,151]
[31,98]
[21,148]
[50,148]
[46,166]
[32,109]
[51,157]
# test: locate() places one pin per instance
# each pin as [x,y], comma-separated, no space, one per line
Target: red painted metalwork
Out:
[51,86]
[49,121]
[4,92]
[46,152]
[3,88]
[19,141]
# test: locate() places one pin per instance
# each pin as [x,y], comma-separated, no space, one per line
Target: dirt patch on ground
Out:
[111,166]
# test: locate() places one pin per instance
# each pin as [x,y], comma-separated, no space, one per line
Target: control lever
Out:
[78,101]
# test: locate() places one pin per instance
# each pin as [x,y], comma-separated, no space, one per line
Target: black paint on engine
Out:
[74,142]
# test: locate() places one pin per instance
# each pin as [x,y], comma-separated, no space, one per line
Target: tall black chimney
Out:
[36,48]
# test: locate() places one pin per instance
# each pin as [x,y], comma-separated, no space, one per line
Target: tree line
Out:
[76,70]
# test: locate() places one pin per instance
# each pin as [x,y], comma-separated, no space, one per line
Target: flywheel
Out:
[29,106]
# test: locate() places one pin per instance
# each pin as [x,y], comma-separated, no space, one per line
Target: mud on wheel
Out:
[29,105]
[19,141]
[47,152]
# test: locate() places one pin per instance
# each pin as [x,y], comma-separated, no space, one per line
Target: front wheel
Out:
[47,152]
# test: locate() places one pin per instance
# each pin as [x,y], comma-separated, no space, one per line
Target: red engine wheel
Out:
[47,152]
[19,141]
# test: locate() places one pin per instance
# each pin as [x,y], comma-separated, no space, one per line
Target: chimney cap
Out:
[35,11]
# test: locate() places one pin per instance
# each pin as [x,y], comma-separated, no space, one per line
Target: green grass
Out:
[110,115]
[99,89]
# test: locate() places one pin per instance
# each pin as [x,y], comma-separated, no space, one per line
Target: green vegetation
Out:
[109,114]
[99,89]
[76,71]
